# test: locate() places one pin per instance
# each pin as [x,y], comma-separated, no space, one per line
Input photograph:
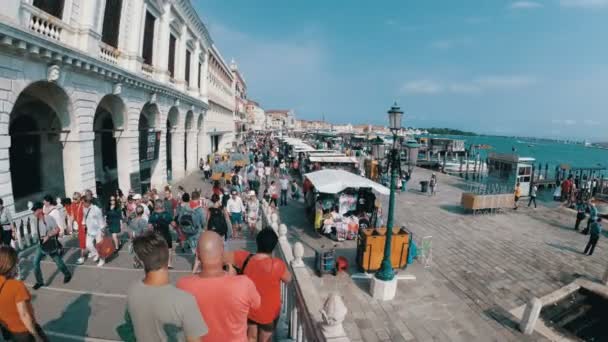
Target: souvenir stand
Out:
[342,203]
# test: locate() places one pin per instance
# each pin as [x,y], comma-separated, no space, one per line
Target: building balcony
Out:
[108,53]
[45,24]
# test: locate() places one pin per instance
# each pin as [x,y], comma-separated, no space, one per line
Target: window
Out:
[187,68]
[111,22]
[171,65]
[52,7]
[148,48]
[200,68]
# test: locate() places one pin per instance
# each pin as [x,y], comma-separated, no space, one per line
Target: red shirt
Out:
[266,274]
[224,303]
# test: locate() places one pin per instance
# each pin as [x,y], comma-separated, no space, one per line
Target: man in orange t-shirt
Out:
[224,299]
[267,273]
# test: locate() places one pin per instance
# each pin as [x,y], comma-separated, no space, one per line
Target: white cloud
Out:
[475,86]
[423,87]
[589,4]
[525,5]
[503,82]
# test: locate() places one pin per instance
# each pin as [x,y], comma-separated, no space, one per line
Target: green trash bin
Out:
[424,186]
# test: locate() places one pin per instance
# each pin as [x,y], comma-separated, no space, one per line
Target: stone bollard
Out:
[298,254]
[333,314]
[531,313]
[605,278]
[282,232]
[274,218]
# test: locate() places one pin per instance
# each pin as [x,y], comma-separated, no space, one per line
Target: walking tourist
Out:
[137,227]
[295,190]
[170,203]
[94,224]
[253,211]
[593,215]
[114,220]
[533,191]
[517,194]
[207,171]
[224,298]
[190,221]
[160,222]
[7,227]
[581,208]
[50,209]
[156,308]
[48,244]
[433,185]
[236,209]
[594,231]
[76,219]
[267,273]
[284,182]
[273,190]
[217,217]
[16,311]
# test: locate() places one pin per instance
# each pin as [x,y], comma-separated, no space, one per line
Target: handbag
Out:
[105,247]
[51,246]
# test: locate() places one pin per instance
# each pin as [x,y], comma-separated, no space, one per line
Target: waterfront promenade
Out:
[482,267]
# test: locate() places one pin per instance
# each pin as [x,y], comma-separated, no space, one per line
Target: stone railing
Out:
[304,317]
[108,53]
[43,23]
[26,229]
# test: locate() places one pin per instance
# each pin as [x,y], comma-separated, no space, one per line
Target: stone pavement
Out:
[482,267]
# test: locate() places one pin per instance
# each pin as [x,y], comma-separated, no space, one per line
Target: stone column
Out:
[605,278]
[133,27]
[180,59]
[194,70]
[177,154]
[78,162]
[90,22]
[191,141]
[204,84]
[126,142]
[161,62]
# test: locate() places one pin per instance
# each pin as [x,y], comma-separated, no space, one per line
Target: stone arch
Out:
[173,117]
[149,166]
[114,105]
[38,123]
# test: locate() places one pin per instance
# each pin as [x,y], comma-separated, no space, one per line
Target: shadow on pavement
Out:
[452,208]
[74,319]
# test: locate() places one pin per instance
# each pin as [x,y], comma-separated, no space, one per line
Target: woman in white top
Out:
[253,209]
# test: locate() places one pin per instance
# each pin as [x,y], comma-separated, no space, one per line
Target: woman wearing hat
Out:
[253,210]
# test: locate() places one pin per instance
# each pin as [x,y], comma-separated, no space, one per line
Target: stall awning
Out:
[332,159]
[334,181]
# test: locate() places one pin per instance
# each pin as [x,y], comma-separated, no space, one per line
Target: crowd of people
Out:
[232,295]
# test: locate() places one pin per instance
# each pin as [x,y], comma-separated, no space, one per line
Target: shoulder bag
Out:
[51,246]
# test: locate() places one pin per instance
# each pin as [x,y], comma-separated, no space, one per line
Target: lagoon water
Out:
[546,152]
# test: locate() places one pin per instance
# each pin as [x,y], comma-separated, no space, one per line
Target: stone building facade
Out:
[100,94]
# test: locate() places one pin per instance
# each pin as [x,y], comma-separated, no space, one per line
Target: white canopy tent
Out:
[335,181]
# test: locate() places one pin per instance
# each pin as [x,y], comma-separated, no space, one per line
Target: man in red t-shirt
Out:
[267,273]
[224,298]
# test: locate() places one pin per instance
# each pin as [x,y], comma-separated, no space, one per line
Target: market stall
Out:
[342,203]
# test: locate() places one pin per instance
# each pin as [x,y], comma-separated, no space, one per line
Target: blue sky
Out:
[533,68]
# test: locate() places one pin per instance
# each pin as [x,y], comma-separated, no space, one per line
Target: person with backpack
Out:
[160,221]
[267,273]
[190,221]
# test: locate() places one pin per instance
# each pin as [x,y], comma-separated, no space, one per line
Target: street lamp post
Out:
[386,272]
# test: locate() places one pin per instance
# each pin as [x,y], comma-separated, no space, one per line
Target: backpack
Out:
[186,221]
[217,222]
[235,180]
